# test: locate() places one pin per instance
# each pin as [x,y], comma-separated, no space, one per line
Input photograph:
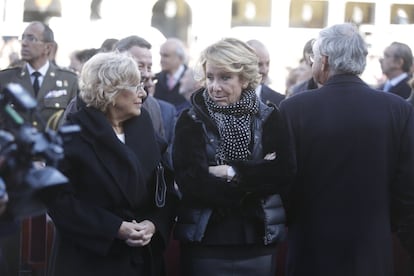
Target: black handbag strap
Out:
[160,187]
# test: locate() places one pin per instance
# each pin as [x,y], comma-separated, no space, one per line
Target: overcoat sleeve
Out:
[191,168]
[402,187]
[260,175]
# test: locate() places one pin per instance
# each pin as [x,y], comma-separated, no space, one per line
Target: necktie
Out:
[170,82]
[36,85]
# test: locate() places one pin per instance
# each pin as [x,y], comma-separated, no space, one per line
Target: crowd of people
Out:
[205,170]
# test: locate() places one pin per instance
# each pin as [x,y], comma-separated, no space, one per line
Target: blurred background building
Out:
[283,25]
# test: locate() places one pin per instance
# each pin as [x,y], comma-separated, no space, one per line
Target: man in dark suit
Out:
[396,66]
[162,113]
[54,87]
[173,66]
[349,162]
[265,93]
[307,84]
[410,99]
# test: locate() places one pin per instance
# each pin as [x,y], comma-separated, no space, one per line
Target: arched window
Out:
[360,13]
[308,14]
[251,13]
[41,10]
[172,17]
[402,14]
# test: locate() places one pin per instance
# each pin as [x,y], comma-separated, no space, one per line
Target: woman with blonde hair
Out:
[231,215]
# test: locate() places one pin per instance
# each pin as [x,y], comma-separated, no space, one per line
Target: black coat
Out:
[268,95]
[253,192]
[172,96]
[110,182]
[351,155]
[303,86]
[402,88]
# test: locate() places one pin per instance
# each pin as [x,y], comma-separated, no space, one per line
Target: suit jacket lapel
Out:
[49,82]
[25,80]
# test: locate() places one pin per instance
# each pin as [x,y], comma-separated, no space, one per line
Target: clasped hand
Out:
[221,170]
[136,234]
[218,171]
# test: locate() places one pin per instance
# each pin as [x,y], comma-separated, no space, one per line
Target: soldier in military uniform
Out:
[57,86]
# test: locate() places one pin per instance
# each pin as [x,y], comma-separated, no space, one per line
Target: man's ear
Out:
[48,48]
[400,62]
[324,63]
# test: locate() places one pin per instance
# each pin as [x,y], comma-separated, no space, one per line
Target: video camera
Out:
[28,157]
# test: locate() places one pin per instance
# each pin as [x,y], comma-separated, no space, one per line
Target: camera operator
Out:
[28,177]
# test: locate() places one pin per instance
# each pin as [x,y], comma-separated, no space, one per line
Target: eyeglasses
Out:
[144,79]
[30,38]
[312,58]
[136,89]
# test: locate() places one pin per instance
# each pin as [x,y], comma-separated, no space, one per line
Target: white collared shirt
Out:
[258,90]
[42,70]
[397,79]
[178,73]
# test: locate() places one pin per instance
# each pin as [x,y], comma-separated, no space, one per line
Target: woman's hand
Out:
[136,234]
[222,171]
[219,171]
[270,156]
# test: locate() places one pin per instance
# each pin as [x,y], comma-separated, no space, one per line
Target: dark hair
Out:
[84,55]
[127,43]
[108,45]
[404,52]
[307,49]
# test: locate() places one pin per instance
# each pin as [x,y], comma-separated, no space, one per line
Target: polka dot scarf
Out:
[234,125]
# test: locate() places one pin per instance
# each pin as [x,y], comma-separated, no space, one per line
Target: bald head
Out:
[37,44]
[263,56]
[173,54]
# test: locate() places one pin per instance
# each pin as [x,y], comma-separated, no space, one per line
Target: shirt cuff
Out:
[230,173]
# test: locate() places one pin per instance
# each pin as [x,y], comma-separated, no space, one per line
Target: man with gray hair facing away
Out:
[350,160]
[396,66]
[265,93]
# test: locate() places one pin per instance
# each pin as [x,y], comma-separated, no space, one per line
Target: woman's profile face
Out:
[128,102]
[223,87]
